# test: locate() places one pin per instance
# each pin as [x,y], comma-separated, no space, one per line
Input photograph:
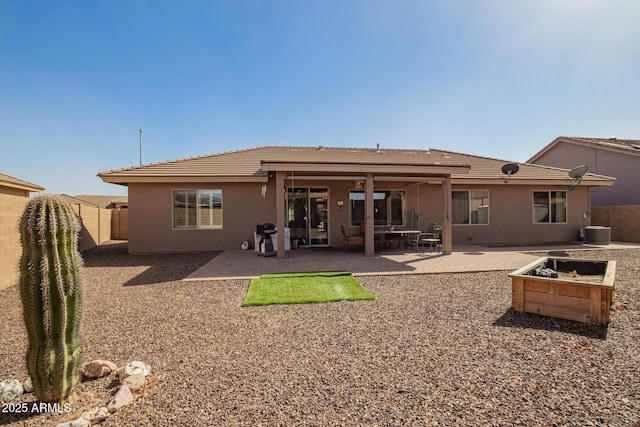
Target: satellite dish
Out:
[577,173]
[510,169]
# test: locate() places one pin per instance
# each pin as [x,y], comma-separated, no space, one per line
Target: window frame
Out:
[197,225]
[468,191]
[378,190]
[566,207]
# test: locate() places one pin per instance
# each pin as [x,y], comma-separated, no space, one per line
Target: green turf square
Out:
[302,288]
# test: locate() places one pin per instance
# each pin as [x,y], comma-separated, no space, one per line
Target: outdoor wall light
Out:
[340,203]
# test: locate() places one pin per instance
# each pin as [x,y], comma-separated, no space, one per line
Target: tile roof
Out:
[10,181]
[102,201]
[247,162]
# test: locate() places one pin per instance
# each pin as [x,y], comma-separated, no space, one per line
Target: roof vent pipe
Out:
[378,147]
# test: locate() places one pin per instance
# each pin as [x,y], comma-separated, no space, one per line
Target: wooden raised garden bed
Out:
[582,290]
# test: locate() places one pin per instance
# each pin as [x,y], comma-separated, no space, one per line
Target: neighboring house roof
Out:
[103,201]
[95,201]
[12,182]
[625,146]
[254,164]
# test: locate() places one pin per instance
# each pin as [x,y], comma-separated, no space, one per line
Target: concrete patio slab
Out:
[238,264]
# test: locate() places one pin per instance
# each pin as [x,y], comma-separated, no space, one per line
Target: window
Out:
[197,209]
[549,207]
[388,207]
[470,207]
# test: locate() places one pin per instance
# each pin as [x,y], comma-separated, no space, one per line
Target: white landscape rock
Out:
[133,368]
[10,389]
[96,415]
[134,382]
[97,368]
[122,398]
[27,384]
[80,422]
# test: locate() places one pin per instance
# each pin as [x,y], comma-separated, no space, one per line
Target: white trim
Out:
[197,226]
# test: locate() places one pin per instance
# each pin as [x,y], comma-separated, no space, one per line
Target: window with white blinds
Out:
[197,209]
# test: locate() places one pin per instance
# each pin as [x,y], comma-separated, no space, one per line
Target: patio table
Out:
[413,236]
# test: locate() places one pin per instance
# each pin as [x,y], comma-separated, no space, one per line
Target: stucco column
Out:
[280,212]
[447,238]
[369,248]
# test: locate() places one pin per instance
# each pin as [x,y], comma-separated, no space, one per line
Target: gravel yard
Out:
[439,349]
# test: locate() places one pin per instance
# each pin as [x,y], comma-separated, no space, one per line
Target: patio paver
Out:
[238,264]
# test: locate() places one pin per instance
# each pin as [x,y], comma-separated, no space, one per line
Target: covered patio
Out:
[370,174]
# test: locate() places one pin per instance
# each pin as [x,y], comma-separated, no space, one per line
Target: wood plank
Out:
[560,312]
[537,286]
[577,303]
[524,270]
[606,310]
[596,306]
[572,290]
[517,294]
[610,274]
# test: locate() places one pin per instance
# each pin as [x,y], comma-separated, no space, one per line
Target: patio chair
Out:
[376,237]
[351,239]
[432,239]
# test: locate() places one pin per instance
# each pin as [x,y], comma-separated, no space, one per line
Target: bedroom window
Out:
[470,207]
[197,209]
[549,207]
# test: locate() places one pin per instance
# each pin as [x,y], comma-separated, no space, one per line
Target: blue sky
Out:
[499,78]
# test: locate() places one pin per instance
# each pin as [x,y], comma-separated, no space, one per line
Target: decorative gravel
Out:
[440,350]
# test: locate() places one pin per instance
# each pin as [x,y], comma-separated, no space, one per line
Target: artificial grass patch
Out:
[302,288]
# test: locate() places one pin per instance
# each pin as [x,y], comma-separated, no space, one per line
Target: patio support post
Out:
[369,248]
[447,238]
[280,212]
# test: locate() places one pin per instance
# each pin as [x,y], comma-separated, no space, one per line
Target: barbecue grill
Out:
[265,230]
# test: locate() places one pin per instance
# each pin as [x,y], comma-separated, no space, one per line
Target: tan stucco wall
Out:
[624,167]
[510,216]
[151,217]
[12,204]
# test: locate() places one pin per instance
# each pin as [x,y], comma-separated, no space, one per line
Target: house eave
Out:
[540,182]
[125,180]
[375,168]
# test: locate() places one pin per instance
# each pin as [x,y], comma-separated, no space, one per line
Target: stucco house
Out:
[213,202]
[619,158]
[14,195]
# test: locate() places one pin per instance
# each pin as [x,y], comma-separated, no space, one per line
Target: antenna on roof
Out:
[141,130]
[577,173]
[509,169]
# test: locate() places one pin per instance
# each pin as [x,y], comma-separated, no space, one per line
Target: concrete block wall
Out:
[12,204]
[624,221]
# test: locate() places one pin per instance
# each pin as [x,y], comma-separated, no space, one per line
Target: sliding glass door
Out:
[308,215]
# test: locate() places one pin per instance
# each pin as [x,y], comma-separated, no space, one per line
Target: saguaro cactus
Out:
[51,292]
